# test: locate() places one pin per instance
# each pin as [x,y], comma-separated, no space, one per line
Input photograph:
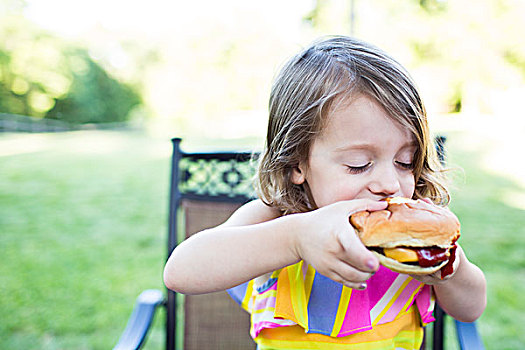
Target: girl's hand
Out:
[330,244]
[435,278]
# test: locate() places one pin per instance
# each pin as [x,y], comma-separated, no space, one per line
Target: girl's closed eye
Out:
[405,160]
[358,169]
[405,165]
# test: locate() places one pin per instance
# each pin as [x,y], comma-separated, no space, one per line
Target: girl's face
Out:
[361,153]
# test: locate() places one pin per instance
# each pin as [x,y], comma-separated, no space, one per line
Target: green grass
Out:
[83,232]
[493,237]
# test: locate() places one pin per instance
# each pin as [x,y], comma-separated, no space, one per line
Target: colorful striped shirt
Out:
[298,308]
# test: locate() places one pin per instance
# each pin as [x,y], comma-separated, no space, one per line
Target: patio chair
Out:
[205,189]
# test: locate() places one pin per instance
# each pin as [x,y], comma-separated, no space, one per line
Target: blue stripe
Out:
[237,293]
[323,304]
[266,286]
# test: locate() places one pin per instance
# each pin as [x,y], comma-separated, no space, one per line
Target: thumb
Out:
[356,253]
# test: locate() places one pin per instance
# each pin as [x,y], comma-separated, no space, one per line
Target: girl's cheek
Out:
[350,192]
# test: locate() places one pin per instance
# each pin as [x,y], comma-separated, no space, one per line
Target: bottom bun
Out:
[400,267]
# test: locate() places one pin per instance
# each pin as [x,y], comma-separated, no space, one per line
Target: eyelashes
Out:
[358,169]
[362,168]
[407,166]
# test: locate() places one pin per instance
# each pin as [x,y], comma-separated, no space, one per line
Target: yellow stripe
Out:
[309,281]
[404,332]
[266,295]
[247,296]
[409,340]
[295,274]
[392,301]
[341,310]
[276,273]
[260,311]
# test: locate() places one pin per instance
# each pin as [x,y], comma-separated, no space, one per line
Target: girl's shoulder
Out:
[251,213]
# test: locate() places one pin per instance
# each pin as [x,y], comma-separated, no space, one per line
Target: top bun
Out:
[407,222]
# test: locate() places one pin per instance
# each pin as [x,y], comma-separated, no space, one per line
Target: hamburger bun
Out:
[410,236]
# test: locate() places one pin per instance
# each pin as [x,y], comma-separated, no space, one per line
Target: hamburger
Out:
[410,236]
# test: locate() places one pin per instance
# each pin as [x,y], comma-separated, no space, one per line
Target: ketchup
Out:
[449,267]
[431,256]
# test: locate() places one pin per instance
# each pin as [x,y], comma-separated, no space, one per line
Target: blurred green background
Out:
[84,211]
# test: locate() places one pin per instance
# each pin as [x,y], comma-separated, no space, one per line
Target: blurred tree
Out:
[433,5]
[93,96]
[42,76]
[331,16]
[466,55]
[474,47]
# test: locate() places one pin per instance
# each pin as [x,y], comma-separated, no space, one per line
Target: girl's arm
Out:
[231,253]
[255,241]
[463,295]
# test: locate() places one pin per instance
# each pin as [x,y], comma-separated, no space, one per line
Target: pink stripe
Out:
[382,280]
[259,326]
[400,302]
[415,298]
[264,303]
[357,318]
[424,304]
[355,330]
[423,298]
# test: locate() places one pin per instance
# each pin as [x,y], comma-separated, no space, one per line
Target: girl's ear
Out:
[298,175]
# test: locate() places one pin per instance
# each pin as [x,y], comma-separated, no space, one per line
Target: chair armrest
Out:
[468,336]
[140,320]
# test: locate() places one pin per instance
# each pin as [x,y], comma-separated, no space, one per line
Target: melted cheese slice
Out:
[401,254]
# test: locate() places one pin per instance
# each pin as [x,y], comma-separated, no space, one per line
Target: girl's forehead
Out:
[362,120]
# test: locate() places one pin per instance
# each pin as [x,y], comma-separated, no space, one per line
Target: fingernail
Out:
[362,286]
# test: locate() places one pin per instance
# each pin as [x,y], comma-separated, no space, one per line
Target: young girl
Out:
[347,129]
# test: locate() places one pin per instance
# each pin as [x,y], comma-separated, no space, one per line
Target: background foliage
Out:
[193,65]
[44,76]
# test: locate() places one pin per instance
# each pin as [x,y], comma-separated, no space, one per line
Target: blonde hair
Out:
[303,94]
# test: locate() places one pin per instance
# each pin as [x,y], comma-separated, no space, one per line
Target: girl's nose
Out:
[385,181]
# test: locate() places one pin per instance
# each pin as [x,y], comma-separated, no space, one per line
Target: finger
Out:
[349,273]
[356,254]
[348,283]
[426,279]
[431,279]
[358,205]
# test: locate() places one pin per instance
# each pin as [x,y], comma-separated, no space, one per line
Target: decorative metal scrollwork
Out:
[216,177]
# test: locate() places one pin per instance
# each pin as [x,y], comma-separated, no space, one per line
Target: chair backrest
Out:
[206,188]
